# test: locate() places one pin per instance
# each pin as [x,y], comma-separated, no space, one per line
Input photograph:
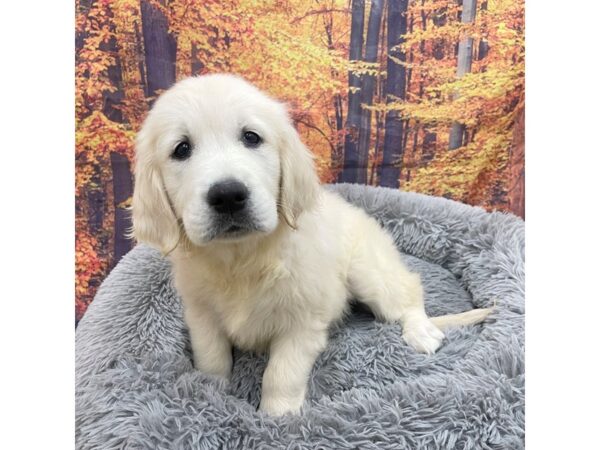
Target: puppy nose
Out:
[227,196]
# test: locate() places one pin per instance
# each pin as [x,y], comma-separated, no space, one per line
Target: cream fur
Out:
[280,288]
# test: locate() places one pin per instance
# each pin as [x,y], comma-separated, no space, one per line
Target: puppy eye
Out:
[182,151]
[251,139]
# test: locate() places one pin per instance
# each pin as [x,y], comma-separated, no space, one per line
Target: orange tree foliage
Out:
[490,96]
[297,50]
[95,138]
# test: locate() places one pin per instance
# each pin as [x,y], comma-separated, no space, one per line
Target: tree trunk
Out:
[111,109]
[197,65]
[395,88]
[339,127]
[430,138]
[375,173]
[348,173]
[337,156]
[96,201]
[159,49]
[374,166]
[409,155]
[122,192]
[112,100]
[83,7]
[406,122]
[366,91]
[429,142]
[516,185]
[465,58]
[457,133]
[139,49]
[484,47]
[439,18]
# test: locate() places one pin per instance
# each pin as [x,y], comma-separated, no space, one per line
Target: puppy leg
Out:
[291,358]
[210,346]
[379,278]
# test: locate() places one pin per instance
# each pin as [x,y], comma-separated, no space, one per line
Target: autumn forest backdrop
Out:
[421,95]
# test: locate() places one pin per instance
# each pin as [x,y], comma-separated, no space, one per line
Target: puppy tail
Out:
[465,318]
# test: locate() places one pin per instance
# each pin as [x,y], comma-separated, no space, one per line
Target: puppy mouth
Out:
[233,230]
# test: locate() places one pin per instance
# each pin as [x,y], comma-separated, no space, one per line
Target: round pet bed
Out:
[136,387]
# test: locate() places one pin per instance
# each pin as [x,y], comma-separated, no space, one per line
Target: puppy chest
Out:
[251,320]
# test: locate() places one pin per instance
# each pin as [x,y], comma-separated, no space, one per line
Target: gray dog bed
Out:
[136,387]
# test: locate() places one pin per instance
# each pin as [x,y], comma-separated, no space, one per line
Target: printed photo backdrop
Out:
[420,95]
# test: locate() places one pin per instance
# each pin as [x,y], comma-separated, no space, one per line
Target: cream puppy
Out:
[263,257]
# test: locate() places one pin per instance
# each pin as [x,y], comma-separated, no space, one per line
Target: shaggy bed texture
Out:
[136,387]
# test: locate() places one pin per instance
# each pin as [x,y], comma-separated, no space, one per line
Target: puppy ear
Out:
[299,183]
[154,221]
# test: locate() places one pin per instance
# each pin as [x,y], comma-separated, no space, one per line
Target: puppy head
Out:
[218,161]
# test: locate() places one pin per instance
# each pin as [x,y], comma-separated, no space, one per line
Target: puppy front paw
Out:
[278,406]
[217,368]
[423,336]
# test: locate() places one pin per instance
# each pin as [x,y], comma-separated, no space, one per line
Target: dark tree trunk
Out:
[457,135]
[339,127]
[122,192]
[429,143]
[406,123]
[375,168]
[159,49]
[83,8]
[348,174]
[395,88]
[121,173]
[139,48]
[337,156]
[516,164]
[112,100]
[366,91]
[484,47]
[197,65]
[413,150]
[439,19]
[411,56]
[465,58]
[379,115]
[96,201]
[429,137]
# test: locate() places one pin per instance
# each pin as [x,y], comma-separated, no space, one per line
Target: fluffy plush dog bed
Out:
[136,387]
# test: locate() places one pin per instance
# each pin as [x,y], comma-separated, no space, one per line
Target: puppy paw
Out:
[220,369]
[423,336]
[275,406]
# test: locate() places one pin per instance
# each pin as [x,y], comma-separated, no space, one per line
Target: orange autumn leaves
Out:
[491,97]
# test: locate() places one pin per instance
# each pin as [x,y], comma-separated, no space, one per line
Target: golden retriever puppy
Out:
[263,257]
